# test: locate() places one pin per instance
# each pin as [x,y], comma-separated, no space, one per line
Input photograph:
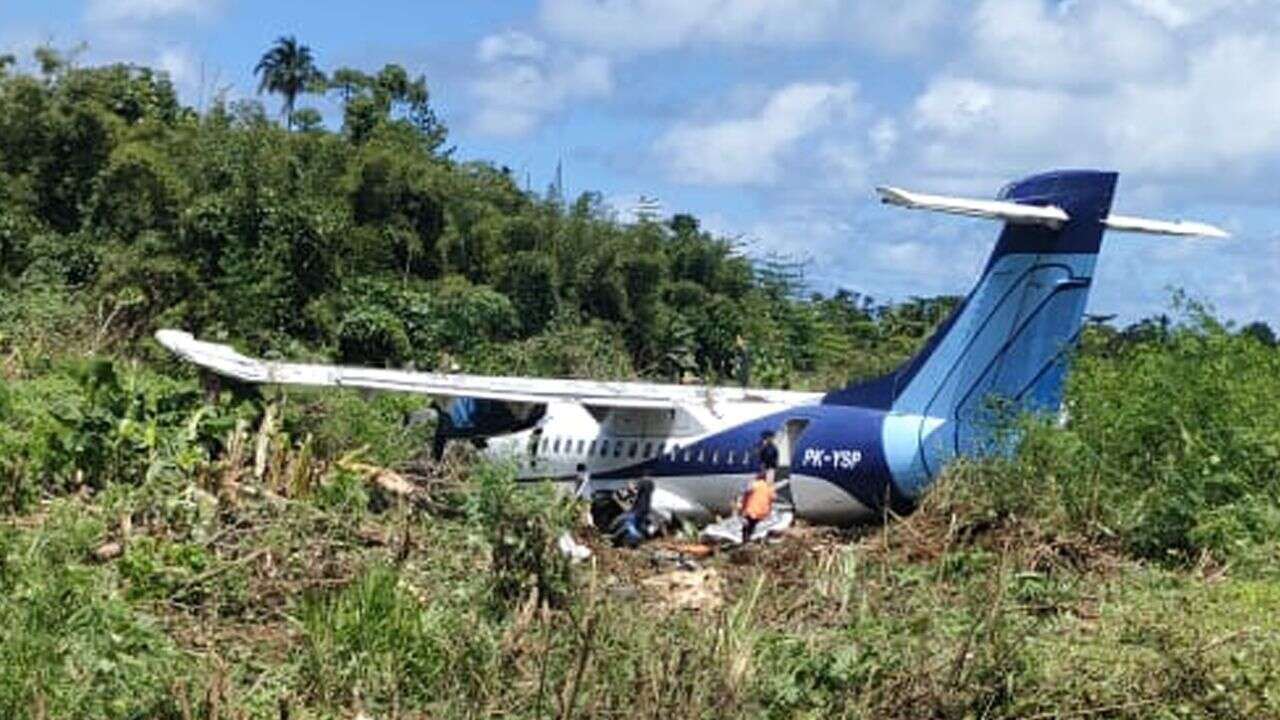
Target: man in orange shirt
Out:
[757,503]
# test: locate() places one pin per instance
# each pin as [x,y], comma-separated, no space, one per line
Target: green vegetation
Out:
[164,556]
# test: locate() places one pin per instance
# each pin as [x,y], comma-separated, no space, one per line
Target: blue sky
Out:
[772,120]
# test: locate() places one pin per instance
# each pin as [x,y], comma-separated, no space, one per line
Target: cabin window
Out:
[648,450]
[546,442]
[581,445]
[715,457]
[555,447]
[604,448]
[617,449]
[591,449]
[635,447]
[746,457]
[702,456]
[687,456]
[729,460]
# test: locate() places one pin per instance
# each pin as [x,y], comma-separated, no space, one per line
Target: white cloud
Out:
[749,150]
[900,27]
[649,25]
[1177,14]
[181,65]
[1216,118]
[1089,42]
[664,24]
[1221,114]
[875,250]
[883,139]
[510,45]
[521,83]
[121,11]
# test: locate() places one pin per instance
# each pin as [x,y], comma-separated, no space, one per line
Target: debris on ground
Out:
[729,530]
[692,550]
[572,549]
[698,590]
[108,551]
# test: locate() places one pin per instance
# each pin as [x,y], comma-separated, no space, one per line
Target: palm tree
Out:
[290,70]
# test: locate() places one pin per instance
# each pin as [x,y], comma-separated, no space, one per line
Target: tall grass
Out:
[72,645]
[1172,449]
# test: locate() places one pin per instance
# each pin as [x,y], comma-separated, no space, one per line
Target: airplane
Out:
[851,454]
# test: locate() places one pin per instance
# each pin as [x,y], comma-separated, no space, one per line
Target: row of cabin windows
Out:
[633,449]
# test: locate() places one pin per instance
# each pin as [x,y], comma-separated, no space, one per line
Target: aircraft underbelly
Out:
[821,501]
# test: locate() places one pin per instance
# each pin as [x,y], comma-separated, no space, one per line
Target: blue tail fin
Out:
[1008,339]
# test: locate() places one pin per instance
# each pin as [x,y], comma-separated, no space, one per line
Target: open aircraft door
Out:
[787,440]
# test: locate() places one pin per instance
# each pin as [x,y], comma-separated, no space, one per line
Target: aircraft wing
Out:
[225,360]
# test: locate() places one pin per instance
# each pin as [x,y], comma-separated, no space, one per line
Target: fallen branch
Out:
[215,572]
[1096,711]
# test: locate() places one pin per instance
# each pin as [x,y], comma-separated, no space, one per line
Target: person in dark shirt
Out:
[768,456]
[635,526]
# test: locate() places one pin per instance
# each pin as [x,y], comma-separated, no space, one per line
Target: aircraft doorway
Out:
[787,439]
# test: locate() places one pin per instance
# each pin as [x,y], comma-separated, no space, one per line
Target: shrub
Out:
[1171,447]
[372,336]
[520,526]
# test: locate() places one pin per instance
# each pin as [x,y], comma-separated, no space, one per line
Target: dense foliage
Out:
[373,244]
[165,556]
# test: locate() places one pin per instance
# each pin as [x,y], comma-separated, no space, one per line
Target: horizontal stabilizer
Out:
[1125,223]
[1048,215]
[1012,212]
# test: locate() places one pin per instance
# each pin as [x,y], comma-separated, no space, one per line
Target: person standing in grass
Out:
[757,504]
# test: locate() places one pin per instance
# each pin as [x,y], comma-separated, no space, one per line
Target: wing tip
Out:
[174,340]
[892,195]
[1212,231]
[1176,228]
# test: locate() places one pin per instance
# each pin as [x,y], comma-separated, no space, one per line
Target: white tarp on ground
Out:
[729,530]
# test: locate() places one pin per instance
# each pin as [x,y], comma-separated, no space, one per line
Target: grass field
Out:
[254,598]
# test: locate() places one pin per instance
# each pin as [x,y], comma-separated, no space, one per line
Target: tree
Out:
[288,69]
[390,95]
[529,279]
[307,119]
[348,81]
[1260,331]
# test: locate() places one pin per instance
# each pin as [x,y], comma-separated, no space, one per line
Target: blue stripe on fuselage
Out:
[831,429]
